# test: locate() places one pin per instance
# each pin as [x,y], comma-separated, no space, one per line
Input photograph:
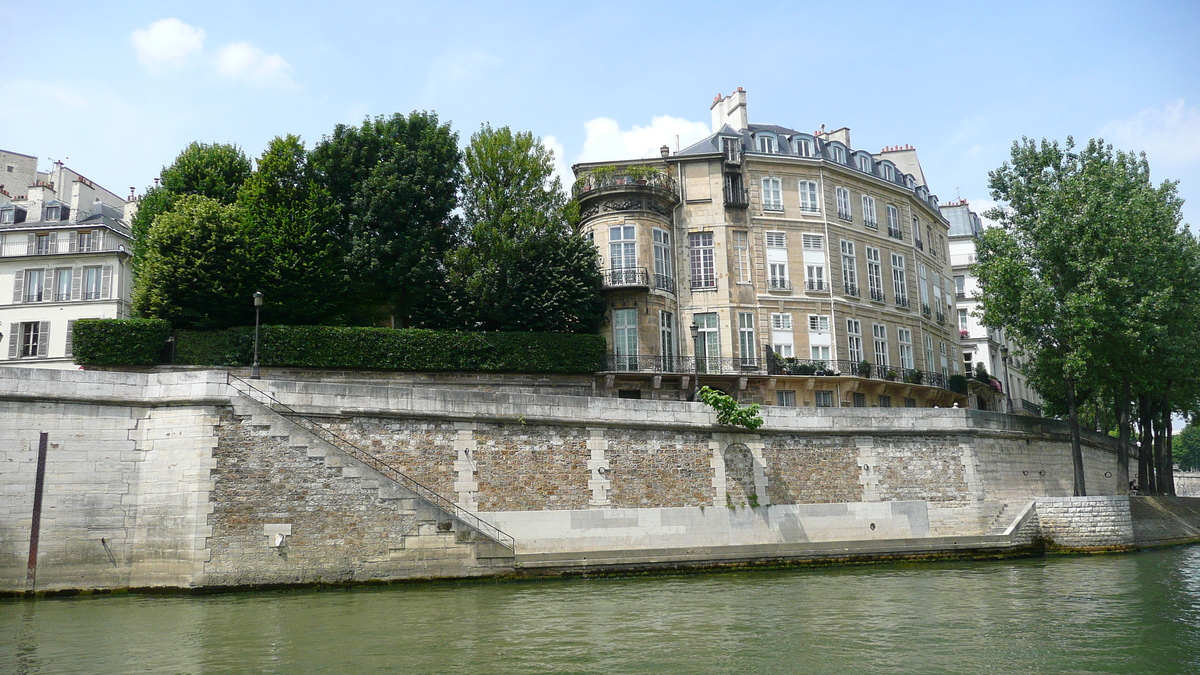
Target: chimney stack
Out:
[665,151]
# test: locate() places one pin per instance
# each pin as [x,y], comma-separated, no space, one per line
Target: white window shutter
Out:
[106,282]
[32,244]
[43,339]
[76,282]
[70,337]
[74,242]
[14,339]
[54,242]
[19,287]
[47,285]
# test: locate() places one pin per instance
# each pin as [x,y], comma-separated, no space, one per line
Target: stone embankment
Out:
[176,480]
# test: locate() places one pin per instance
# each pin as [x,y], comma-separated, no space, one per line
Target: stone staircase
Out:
[998,523]
[434,540]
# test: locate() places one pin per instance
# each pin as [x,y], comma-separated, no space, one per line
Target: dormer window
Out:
[837,153]
[803,147]
[889,172]
[51,213]
[864,163]
[766,144]
[6,215]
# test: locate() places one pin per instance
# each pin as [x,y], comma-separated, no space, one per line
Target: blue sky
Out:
[120,88]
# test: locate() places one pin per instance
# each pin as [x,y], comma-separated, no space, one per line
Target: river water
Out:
[1134,613]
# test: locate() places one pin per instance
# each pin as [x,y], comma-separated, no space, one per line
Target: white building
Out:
[981,344]
[64,256]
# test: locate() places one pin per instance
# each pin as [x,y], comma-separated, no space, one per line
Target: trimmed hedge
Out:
[119,342]
[350,348]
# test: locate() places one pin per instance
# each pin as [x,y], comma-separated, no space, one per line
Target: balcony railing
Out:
[778,365]
[1030,407]
[779,284]
[878,295]
[941,317]
[962,259]
[733,154]
[925,310]
[22,247]
[895,233]
[920,245]
[851,290]
[685,364]
[592,181]
[816,285]
[626,277]
[902,301]
[736,196]
[664,283]
[704,283]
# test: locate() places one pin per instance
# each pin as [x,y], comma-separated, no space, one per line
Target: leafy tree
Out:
[196,264]
[729,411]
[394,181]
[1187,447]
[523,267]
[287,215]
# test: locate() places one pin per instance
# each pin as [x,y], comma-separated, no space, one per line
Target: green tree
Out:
[394,181]
[522,267]
[1187,447]
[287,214]
[196,264]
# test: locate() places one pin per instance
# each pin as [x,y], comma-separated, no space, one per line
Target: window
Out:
[916,230]
[803,147]
[622,247]
[942,349]
[963,321]
[32,340]
[814,276]
[51,213]
[772,194]
[960,285]
[929,352]
[910,403]
[41,244]
[785,398]
[819,352]
[904,338]
[863,162]
[843,204]
[664,263]
[922,285]
[766,144]
[889,172]
[62,285]
[87,241]
[625,338]
[893,223]
[823,398]
[899,283]
[837,153]
[869,219]
[854,340]
[859,399]
[34,280]
[874,274]
[818,323]
[741,255]
[703,268]
[885,401]
[91,283]
[808,197]
[781,334]
[881,347]
[666,339]
[708,342]
[6,215]
[777,261]
[746,345]
[813,242]
[849,269]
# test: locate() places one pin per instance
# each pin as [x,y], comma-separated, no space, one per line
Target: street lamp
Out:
[258,297]
[1007,389]
[696,357]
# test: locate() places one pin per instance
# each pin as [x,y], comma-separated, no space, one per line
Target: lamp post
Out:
[696,357]
[258,297]
[1007,389]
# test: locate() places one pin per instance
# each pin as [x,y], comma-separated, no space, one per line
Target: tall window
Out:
[864,163]
[666,339]
[700,245]
[869,219]
[772,194]
[963,320]
[818,337]
[781,334]
[664,263]
[91,283]
[960,284]
[62,285]
[808,197]
[843,204]
[86,240]
[777,261]
[881,351]
[874,274]
[945,365]
[32,339]
[766,144]
[746,345]
[785,398]
[823,398]
[893,222]
[814,262]
[622,255]
[899,282]
[916,230]
[889,172]
[34,281]
[929,362]
[814,276]
[625,338]
[741,255]
[854,340]
[922,284]
[904,339]
[708,342]
[849,269]
[837,153]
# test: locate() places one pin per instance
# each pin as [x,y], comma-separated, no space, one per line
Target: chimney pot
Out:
[665,151]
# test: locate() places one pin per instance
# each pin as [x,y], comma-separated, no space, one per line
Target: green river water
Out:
[1134,613]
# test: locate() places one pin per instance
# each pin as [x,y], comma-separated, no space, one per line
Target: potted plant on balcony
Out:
[891,375]
[864,368]
[913,376]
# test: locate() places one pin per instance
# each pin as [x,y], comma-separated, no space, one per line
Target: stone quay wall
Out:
[172,479]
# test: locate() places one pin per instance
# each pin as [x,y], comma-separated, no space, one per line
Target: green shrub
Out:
[728,410]
[119,342]
[231,347]
[957,384]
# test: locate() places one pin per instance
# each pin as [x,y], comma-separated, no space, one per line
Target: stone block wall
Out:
[1101,522]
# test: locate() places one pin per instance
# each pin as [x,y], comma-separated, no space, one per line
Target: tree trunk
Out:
[1145,467]
[1159,475]
[1123,423]
[1076,446]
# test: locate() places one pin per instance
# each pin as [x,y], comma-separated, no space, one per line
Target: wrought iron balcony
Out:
[878,295]
[627,277]
[779,284]
[920,244]
[684,365]
[816,285]
[704,283]
[851,290]
[599,180]
[780,365]
[925,310]
[737,196]
[941,317]
[894,233]
[664,283]
[902,301]
[733,154]
[1030,407]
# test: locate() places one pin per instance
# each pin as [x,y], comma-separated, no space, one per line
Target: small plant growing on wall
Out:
[729,411]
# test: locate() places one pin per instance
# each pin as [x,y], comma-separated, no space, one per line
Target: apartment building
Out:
[781,266]
[64,256]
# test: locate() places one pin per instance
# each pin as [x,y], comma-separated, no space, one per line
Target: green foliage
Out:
[729,411]
[395,182]
[388,349]
[522,268]
[957,384]
[913,376]
[119,342]
[1186,447]
[864,368]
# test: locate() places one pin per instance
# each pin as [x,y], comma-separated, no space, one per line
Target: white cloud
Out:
[167,43]
[243,62]
[606,141]
[1170,134]
[561,170]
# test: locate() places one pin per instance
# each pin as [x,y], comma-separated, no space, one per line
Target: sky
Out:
[116,90]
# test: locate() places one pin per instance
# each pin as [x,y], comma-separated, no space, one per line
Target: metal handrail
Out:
[619,277]
[273,404]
